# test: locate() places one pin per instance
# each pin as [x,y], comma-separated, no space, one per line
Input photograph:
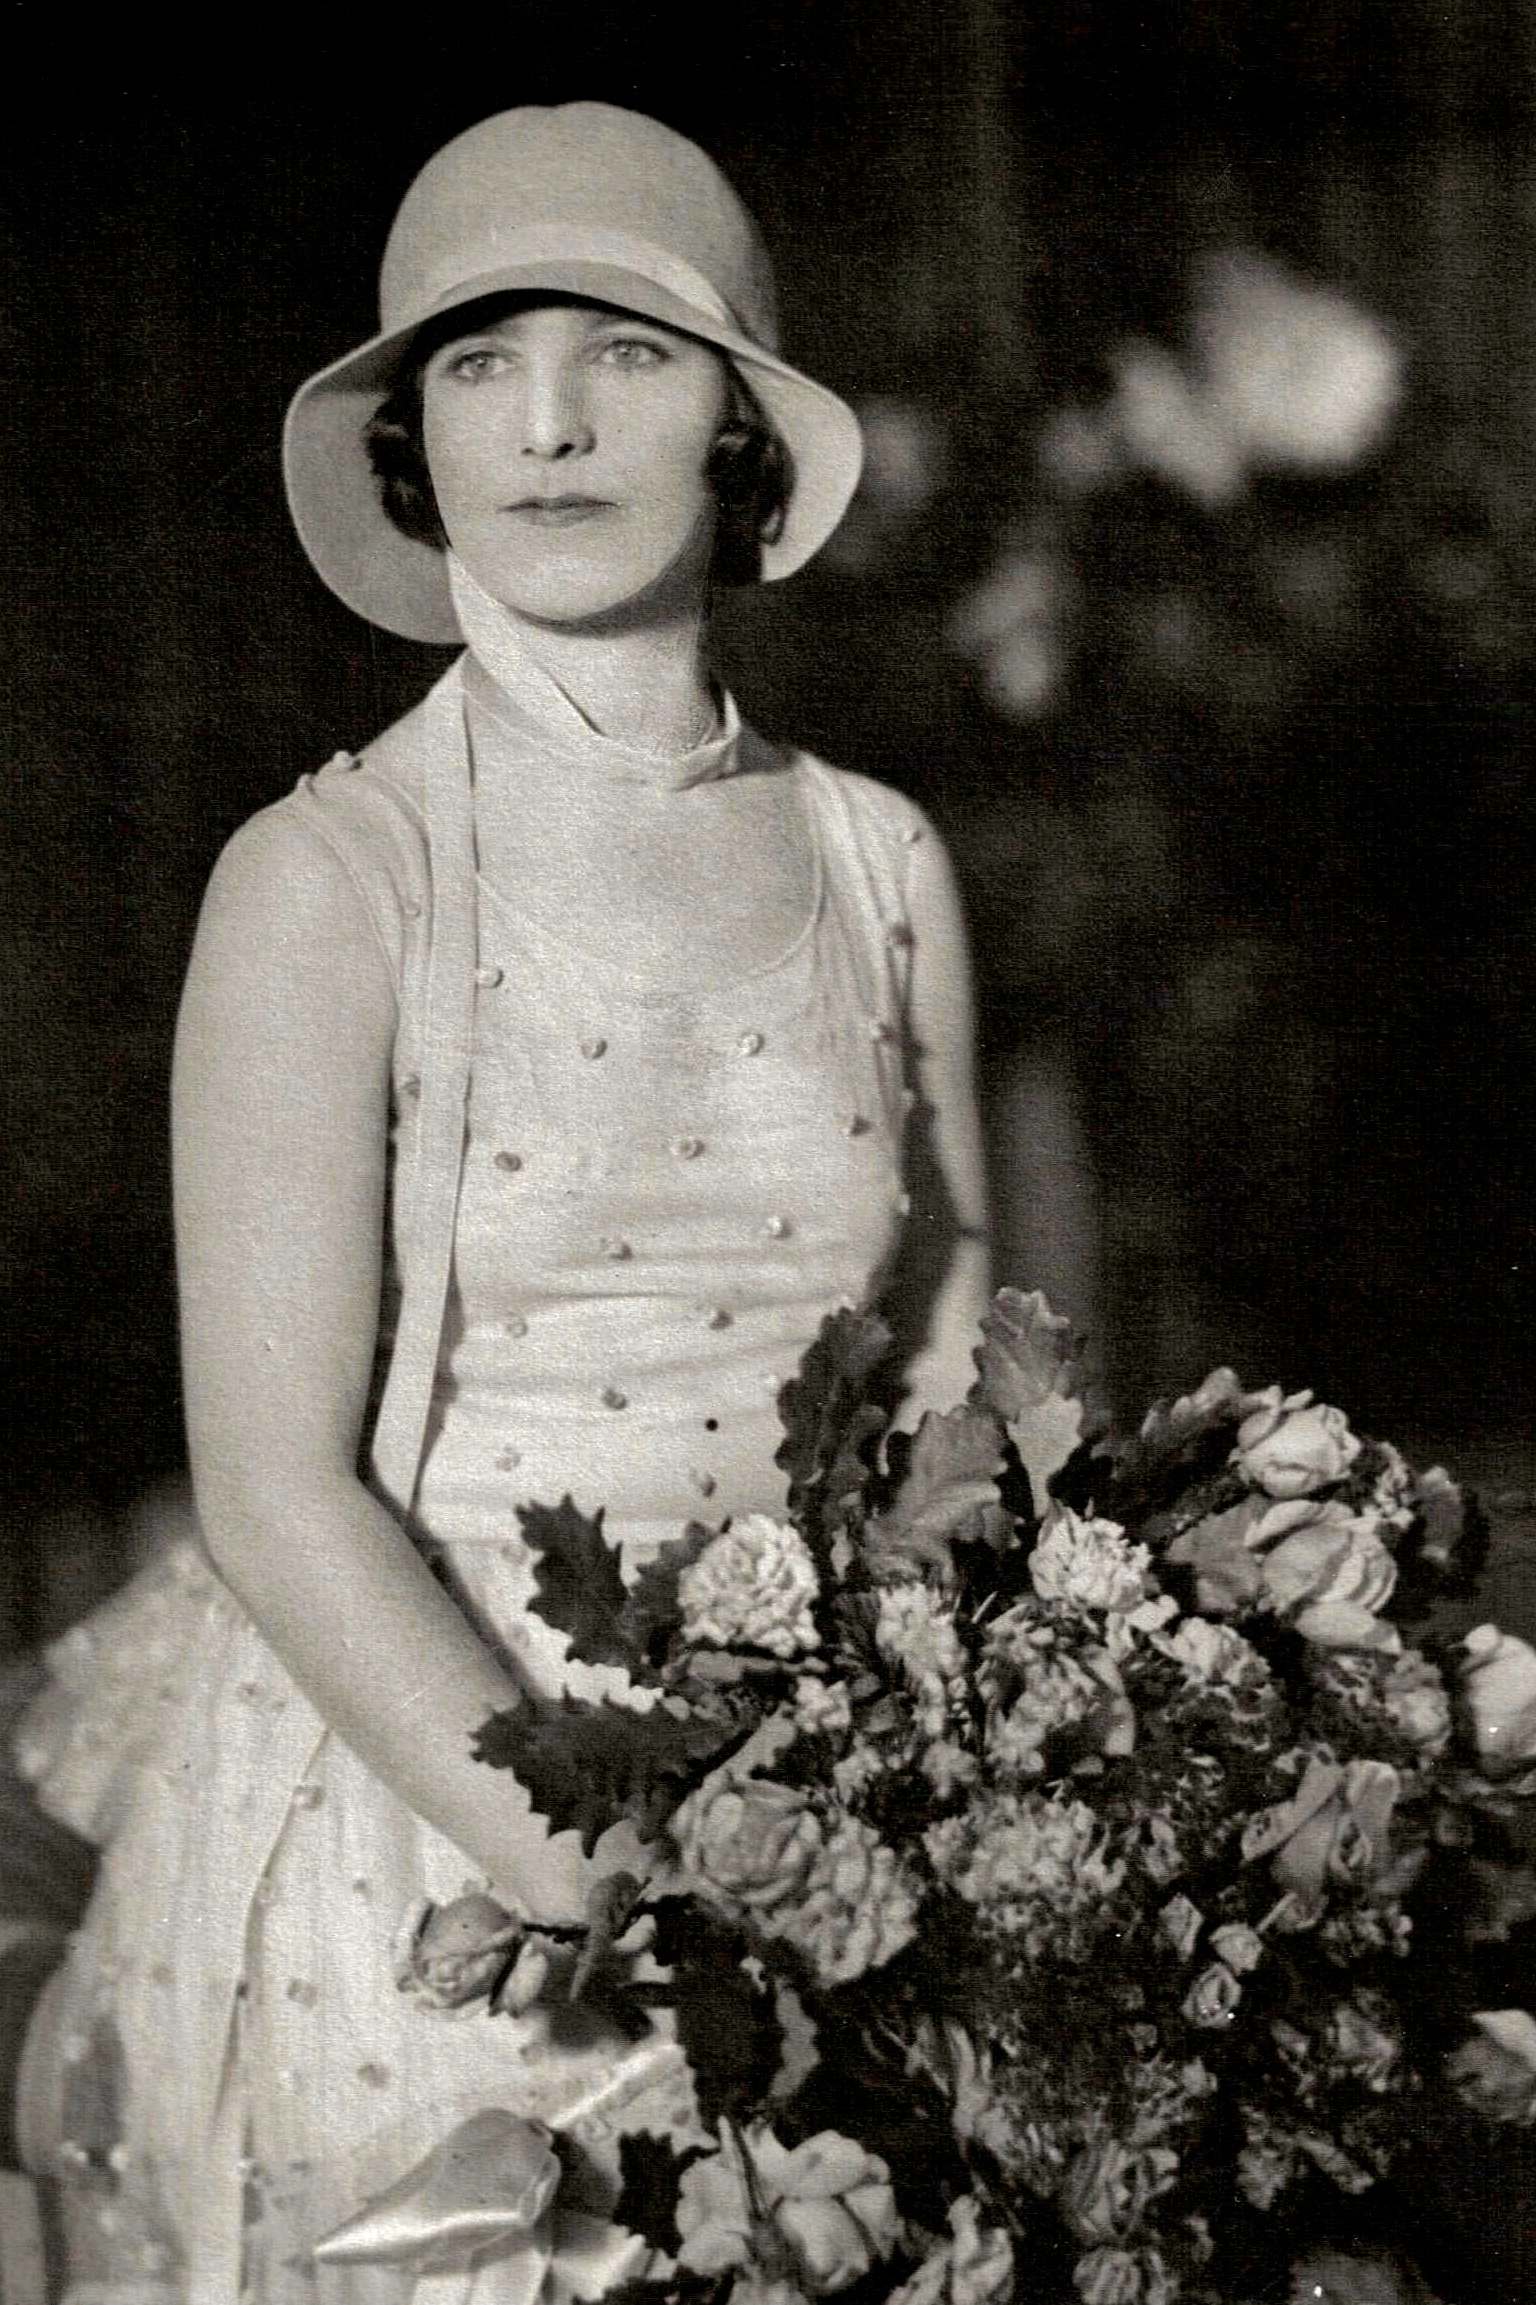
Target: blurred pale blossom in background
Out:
[1299,376]
[1283,374]
[1012,623]
[906,462]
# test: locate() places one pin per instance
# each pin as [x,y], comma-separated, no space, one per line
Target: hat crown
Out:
[589,172]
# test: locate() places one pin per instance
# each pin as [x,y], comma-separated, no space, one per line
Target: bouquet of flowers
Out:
[1074,1884]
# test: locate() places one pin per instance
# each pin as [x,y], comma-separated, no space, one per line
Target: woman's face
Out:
[567,445]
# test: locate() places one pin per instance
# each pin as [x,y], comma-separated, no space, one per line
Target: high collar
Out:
[521,693]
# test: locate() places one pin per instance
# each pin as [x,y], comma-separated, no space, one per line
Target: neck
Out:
[645,686]
[640,679]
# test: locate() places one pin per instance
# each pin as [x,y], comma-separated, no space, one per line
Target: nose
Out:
[555,419]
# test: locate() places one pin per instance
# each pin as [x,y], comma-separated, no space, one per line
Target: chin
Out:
[575,588]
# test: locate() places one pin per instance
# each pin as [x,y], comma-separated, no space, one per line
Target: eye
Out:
[633,352]
[472,363]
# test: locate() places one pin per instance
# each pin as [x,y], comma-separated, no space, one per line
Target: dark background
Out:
[1268,936]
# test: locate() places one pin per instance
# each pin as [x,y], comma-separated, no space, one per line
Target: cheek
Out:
[461,459]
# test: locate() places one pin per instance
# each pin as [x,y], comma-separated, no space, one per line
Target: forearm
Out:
[393,1667]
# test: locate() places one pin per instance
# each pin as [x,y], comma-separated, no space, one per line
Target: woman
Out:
[583,1032]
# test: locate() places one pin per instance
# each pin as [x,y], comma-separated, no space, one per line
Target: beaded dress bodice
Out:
[660,1200]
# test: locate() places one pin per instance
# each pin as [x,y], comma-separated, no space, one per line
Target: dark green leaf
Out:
[727,2023]
[828,1419]
[585,1767]
[651,1611]
[650,2171]
[578,1588]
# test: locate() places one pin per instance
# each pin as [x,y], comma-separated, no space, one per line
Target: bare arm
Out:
[948,1232]
[280,1112]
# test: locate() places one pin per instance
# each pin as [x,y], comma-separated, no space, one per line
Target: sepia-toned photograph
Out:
[768,1168]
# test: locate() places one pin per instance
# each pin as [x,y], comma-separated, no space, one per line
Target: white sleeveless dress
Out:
[658,1203]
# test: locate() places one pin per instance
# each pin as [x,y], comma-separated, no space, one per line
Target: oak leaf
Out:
[948,1491]
[586,1767]
[577,1585]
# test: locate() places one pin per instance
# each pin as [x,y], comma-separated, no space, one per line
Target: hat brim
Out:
[393,581]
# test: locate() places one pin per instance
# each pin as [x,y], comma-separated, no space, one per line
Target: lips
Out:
[559,511]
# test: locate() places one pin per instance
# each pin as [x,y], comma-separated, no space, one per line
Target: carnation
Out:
[822,1708]
[1058,1692]
[1087,1563]
[917,1632]
[754,1587]
[1028,1864]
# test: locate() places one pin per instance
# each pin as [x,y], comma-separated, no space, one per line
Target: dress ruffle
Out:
[112,1682]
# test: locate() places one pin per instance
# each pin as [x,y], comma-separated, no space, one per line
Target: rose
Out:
[1213,1997]
[747,1840]
[1336,1827]
[1124,2277]
[753,1587]
[1294,1446]
[451,1954]
[1495,2072]
[1321,1553]
[817,2217]
[1214,1653]
[834,1889]
[1498,1688]
[858,1908]
[974,2267]
[1110,2186]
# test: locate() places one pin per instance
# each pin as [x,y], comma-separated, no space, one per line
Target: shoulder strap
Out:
[400,1430]
[873,830]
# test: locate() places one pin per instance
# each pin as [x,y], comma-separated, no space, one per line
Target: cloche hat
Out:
[581,200]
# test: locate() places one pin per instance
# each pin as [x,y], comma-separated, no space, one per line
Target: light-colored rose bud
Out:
[1213,1997]
[1181,1923]
[1498,1684]
[448,1955]
[1239,1946]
